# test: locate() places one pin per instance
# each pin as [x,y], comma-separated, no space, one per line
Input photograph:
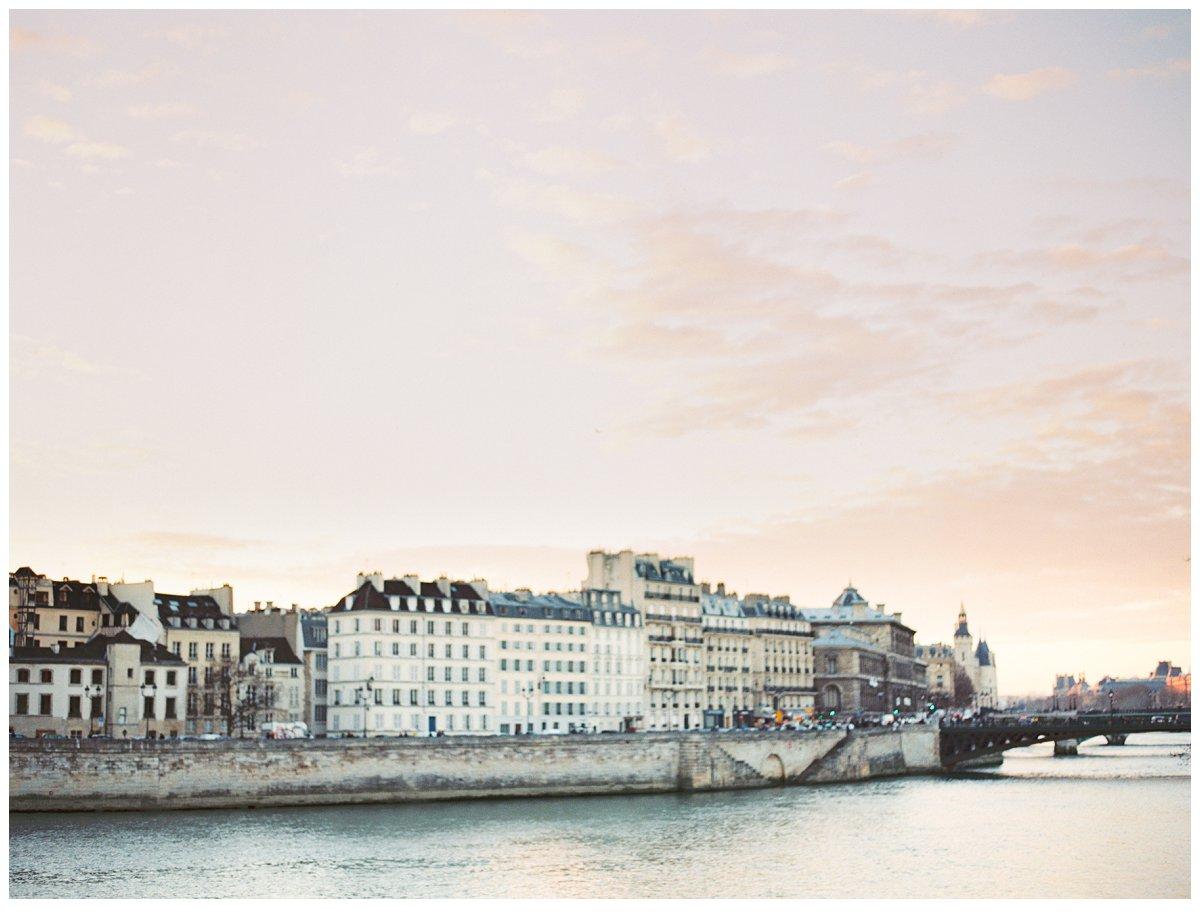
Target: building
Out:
[199,627]
[733,661]
[49,613]
[865,659]
[940,669]
[306,631]
[408,656]
[543,663]
[786,679]
[1166,687]
[978,662]
[270,684]
[668,598]
[112,685]
[617,687]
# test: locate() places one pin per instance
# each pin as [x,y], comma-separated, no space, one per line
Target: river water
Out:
[1112,822]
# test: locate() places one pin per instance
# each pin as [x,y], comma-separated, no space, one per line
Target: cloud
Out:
[368,161]
[29,40]
[856,180]
[752,65]
[36,360]
[679,141]
[431,122]
[919,91]
[550,253]
[1155,33]
[574,204]
[1020,87]
[215,140]
[919,146]
[174,541]
[1164,70]
[160,110]
[112,79]
[49,130]
[556,161]
[55,92]
[90,150]
[1138,258]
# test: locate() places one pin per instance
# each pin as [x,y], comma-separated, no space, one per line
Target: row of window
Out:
[379,697]
[379,648]
[516,665]
[96,707]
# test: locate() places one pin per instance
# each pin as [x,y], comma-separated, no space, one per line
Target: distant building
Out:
[618,668]
[664,591]
[976,661]
[1167,686]
[410,656]
[113,685]
[865,658]
[306,631]
[270,684]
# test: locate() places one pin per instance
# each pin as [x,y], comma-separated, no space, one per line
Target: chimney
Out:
[720,588]
[480,585]
[258,606]
[443,585]
[294,605]
[879,606]
[898,616]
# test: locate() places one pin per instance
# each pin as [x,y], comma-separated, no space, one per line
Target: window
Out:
[97,707]
[74,706]
[148,708]
[449,629]
[395,697]
[170,677]
[75,677]
[22,703]
[449,697]
[429,627]
[466,697]
[22,676]
[191,676]
[429,697]
[149,678]
[208,651]
[121,715]
[412,697]
[170,712]
[45,700]
[378,625]
[191,650]
[62,623]
[46,676]
[78,623]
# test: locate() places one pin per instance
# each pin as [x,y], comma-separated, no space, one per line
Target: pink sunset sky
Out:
[901,298]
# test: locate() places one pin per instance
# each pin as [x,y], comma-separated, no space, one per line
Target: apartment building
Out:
[408,656]
[664,591]
[543,672]
[112,685]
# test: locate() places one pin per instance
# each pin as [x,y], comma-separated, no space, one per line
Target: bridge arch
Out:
[773,770]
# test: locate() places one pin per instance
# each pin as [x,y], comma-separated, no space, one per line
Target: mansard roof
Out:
[983,654]
[95,651]
[283,653]
[538,606]
[849,597]
[69,594]
[663,570]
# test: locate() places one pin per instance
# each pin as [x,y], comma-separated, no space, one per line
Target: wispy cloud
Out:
[160,110]
[557,161]
[368,161]
[1020,87]
[56,92]
[754,64]
[919,146]
[48,130]
[217,140]
[113,78]
[1176,67]
[96,150]
[431,122]
[679,141]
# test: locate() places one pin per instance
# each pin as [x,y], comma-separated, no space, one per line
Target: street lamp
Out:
[148,692]
[669,694]
[365,695]
[92,692]
[528,691]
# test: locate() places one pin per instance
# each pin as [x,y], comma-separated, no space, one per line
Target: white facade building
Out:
[408,656]
[666,594]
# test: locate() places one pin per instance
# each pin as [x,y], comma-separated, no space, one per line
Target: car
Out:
[208,737]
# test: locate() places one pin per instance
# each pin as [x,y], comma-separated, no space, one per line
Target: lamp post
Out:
[669,694]
[365,694]
[527,692]
[92,692]
[148,692]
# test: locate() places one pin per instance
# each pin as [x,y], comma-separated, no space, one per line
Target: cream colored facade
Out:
[786,678]
[408,656]
[665,593]
[114,685]
[616,697]
[270,685]
[733,653]
[202,631]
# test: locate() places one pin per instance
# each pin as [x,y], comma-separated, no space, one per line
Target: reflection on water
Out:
[1111,822]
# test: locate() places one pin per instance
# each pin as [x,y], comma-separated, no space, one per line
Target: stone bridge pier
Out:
[1069,747]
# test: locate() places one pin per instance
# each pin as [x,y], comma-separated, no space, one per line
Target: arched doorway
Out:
[833,698]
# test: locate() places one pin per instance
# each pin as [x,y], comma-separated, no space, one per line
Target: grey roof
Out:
[315,630]
[983,654]
[538,606]
[850,597]
[837,638]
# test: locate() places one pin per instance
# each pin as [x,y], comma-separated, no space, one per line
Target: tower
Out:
[962,640]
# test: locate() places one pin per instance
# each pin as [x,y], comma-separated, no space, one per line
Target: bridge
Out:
[963,741]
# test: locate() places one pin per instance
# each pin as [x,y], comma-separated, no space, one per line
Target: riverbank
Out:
[113,775]
[989,833]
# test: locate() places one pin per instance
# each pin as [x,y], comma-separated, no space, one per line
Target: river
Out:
[1112,822]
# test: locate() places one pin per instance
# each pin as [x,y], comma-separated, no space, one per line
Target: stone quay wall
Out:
[102,775]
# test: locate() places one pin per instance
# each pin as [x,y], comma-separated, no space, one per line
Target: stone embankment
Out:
[102,775]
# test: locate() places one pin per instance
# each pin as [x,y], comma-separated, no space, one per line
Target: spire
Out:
[962,630]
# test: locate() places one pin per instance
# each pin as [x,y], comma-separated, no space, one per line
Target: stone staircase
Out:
[743,770]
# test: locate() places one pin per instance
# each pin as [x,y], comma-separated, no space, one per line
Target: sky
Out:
[893,298]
